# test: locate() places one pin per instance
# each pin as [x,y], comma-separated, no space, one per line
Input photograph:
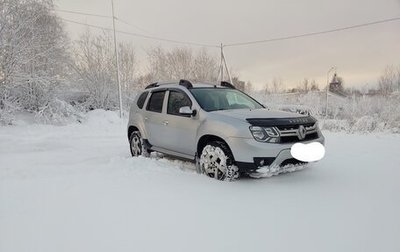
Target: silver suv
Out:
[225,131]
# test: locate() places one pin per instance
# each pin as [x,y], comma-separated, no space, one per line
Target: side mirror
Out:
[187,111]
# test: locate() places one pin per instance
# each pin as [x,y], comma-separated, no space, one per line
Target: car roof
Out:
[175,84]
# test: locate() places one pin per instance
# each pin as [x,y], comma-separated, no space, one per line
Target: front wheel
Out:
[216,161]
[136,145]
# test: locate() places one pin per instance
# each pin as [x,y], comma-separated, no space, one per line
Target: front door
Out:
[181,130]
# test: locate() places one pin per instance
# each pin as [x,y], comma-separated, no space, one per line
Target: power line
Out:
[89,25]
[313,33]
[142,35]
[83,13]
[132,25]
[102,16]
[216,46]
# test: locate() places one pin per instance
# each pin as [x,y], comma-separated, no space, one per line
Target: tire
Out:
[136,145]
[216,161]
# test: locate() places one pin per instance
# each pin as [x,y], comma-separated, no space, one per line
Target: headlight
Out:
[258,133]
[317,128]
[265,134]
[272,132]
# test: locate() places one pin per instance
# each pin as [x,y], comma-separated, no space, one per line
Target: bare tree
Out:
[276,85]
[314,86]
[157,68]
[128,69]
[249,87]
[388,81]
[267,89]
[205,67]
[181,63]
[305,85]
[94,63]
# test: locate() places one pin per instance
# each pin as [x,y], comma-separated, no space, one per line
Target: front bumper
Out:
[251,155]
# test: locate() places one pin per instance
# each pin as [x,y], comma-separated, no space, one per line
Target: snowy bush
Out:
[7,109]
[100,117]
[6,115]
[57,111]
[335,125]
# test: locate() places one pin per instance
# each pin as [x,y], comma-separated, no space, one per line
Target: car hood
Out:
[244,114]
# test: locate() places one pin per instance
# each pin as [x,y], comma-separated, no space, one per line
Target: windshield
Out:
[212,99]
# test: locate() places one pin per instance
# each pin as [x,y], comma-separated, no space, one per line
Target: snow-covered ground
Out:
[76,188]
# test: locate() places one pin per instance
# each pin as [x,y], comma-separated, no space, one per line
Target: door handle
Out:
[165,123]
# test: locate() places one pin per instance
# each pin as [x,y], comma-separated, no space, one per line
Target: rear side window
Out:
[155,103]
[142,99]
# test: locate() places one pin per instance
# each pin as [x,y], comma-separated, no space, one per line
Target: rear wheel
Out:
[136,145]
[216,161]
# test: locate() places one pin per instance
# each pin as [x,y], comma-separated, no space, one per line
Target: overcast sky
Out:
[360,55]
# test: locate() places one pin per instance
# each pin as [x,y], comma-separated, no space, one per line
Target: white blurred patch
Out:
[308,152]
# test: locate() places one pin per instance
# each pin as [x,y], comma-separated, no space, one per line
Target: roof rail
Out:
[187,84]
[227,84]
[152,85]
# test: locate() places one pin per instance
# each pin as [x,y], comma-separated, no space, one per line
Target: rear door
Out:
[155,118]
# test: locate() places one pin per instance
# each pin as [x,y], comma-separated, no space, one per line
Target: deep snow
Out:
[76,188]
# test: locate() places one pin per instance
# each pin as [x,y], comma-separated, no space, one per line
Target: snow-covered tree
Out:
[206,67]
[389,81]
[33,54]
[94,63]
[182,63]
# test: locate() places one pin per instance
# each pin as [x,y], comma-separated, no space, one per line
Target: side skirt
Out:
[173,153]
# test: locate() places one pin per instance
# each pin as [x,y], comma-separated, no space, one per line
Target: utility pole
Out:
[222,63]
[226,68]
[117,61]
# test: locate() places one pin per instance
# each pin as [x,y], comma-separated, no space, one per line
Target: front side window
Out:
[177,100]
[212,99]
[155,103]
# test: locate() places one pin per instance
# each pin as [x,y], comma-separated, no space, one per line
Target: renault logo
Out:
[302,132]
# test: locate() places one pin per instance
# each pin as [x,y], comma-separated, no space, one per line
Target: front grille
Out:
[293,139]
[292,134]
[290,130]
[291,127]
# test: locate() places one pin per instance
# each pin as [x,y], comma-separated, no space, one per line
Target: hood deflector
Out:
[270,122]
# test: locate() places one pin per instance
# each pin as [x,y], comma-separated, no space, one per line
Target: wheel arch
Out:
[131,129]
[203,140]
